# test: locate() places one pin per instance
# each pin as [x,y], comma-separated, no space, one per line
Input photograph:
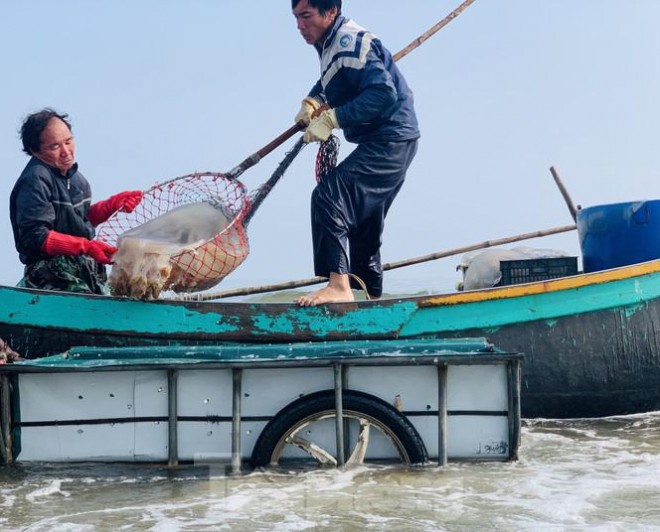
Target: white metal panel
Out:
[108,394]
[469,387]
[73,443]
[150,393]
[205,441]
[72,396]
[151,441]
[483,387]
[427,427]
[415,386]
[205,392]
[480,437]
[249,435]
[211,442]
[267,391]
[94,396]
[484,437]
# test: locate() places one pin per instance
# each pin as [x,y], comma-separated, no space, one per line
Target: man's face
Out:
[312,25]
[57,146]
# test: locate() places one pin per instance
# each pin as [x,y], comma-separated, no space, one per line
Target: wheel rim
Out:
[362,430]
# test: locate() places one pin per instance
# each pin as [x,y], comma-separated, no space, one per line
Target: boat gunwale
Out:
[450,298]
[580,280]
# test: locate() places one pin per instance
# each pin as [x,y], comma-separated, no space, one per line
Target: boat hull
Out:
[591,342]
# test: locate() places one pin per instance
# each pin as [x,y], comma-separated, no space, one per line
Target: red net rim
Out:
[230,195]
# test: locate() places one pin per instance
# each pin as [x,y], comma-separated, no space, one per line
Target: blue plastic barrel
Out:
[619,234]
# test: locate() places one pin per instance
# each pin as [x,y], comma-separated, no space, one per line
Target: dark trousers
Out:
[349,206]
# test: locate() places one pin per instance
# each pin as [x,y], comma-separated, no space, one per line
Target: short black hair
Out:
[34,125]
[322,5]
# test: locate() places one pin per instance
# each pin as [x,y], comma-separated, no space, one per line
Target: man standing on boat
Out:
[362,92]
[51,212]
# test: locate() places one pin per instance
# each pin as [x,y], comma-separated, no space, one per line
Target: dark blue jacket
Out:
[43,200]
[361,82]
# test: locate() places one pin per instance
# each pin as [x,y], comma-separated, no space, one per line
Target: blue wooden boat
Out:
[591,341]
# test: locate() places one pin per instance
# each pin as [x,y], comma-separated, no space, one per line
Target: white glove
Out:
[321,127]
[307,108]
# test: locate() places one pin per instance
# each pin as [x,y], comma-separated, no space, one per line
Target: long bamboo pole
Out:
[386,267]
[432,31]
[564,192]
[480,245]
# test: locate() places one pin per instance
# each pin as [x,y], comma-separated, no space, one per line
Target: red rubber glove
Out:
[124,202]
[61,244]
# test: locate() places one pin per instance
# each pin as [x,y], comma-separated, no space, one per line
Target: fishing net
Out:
[188,234]
[326,157]
[185,235]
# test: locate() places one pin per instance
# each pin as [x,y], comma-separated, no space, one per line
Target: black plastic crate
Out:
[532,270]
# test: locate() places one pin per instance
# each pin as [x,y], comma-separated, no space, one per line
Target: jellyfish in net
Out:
[185,236]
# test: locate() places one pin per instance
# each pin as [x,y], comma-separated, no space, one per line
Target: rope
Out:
[362,284]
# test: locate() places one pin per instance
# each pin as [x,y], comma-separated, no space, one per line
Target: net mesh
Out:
[326,157]
[189,233]
[186,235]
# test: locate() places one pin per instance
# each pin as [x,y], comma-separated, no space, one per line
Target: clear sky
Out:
[160,88]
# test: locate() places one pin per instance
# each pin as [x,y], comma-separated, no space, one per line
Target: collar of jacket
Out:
[330,35]
[69,174]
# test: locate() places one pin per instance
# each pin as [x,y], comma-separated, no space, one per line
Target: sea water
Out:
[591,474]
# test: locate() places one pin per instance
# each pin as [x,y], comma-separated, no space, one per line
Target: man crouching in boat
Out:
[52,216]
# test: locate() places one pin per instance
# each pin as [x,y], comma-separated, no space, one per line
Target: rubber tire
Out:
[323,401]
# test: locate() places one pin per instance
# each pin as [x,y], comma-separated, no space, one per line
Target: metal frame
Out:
[442,414]
[514,386]
[6,443]
[172,425]
[340,368]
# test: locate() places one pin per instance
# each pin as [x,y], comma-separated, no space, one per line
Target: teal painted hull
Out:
[591,345]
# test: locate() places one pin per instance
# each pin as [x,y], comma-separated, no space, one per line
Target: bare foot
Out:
[337,291]
[328,294]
